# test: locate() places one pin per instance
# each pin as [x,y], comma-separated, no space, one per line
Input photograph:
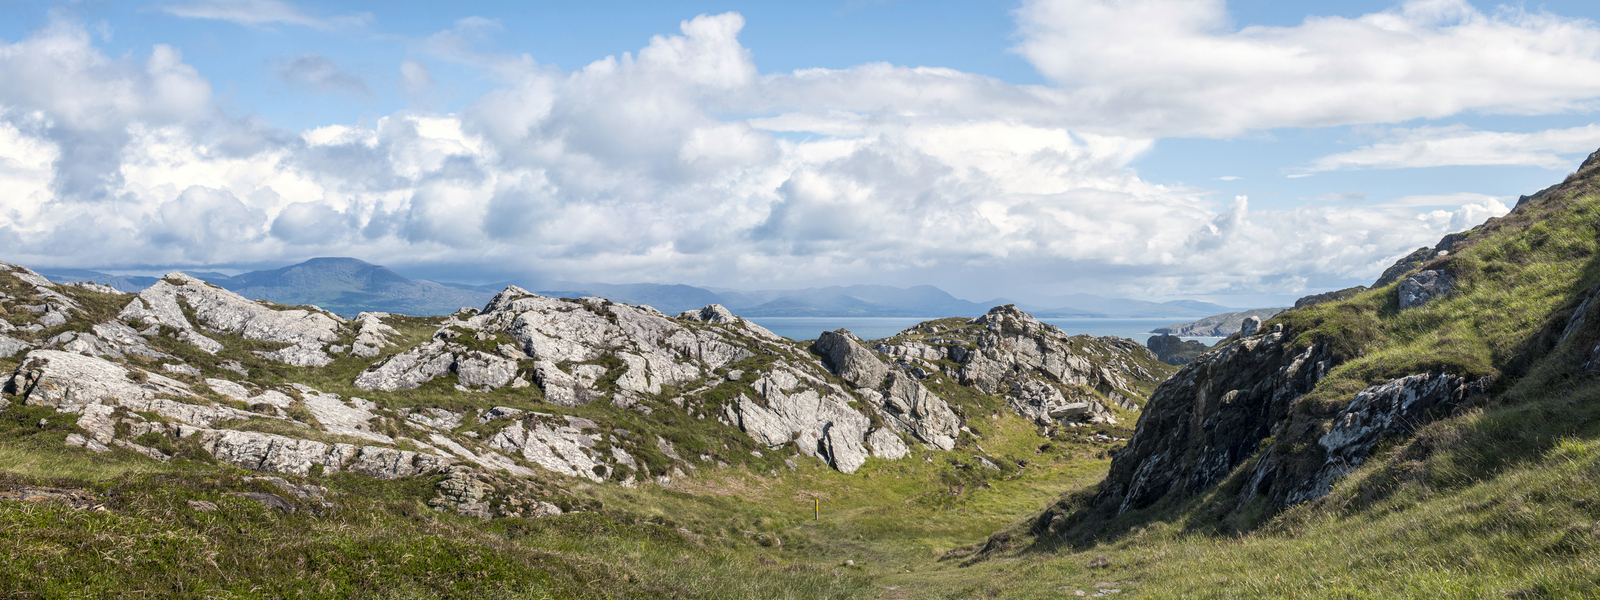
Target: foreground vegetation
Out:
[1500,499]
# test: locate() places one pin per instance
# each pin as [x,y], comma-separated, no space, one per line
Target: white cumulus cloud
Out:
[676,163]
[1181,67]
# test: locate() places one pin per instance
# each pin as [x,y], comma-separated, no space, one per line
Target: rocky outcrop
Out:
[792,406]
[898,396]
[560,342]
[353,418]
[1249,326]
[412,368]
[1014,348]
[278,454]
[1203,421]
[1423,287]
[220,311]
[373,335]
[847,357]
[1395,407]
[561,448]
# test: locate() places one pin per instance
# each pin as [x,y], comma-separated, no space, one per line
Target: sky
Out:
[1245,153]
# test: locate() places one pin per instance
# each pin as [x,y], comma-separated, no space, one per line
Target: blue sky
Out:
[1246,152]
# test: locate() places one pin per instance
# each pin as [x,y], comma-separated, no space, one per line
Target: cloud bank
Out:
[682,162]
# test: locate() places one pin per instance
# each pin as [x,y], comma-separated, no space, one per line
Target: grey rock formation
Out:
[561,449]
[554,334]
[1399,406]
[222,311]
[910,407]
[816,417]
[1423,287]
[463,491]
[1207,418]
[278,454]
[373,335]
[74,383]
[10,346]
[410,369]
[847,357]
[180,369]
[885,444]
[1015,349]
[353,418]
[1249,326]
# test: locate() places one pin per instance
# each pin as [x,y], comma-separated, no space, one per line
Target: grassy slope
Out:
[749,531]
[1498,500]
[749,534]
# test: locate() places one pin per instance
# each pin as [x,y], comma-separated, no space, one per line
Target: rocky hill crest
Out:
[529,387]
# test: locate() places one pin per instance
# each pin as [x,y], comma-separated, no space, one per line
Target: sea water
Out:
[872,328]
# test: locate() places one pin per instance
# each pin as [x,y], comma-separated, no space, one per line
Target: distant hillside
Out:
[348,286]
[1222,325]
[1125,307]
[122,283]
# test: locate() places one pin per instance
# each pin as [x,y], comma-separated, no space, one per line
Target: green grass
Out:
[1497,500]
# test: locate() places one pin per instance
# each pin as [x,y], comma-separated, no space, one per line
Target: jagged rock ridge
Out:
[177,368]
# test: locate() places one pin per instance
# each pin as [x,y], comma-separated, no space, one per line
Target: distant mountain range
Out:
[348,286]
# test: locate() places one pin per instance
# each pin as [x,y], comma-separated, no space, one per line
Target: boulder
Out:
[1249,326]
[1424,286]
[843,353]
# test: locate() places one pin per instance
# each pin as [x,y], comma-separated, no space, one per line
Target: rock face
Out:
[900,398]
[1203,424]
[74,383]
[1394,407]
[1423,287]
[792,405]
[1203,421]
[373,336]
[563,343]
[278,454]
[845,355]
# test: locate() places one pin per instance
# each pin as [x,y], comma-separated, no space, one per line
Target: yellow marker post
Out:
[816,507]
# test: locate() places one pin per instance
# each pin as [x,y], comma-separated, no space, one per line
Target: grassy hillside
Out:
[1495,499]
